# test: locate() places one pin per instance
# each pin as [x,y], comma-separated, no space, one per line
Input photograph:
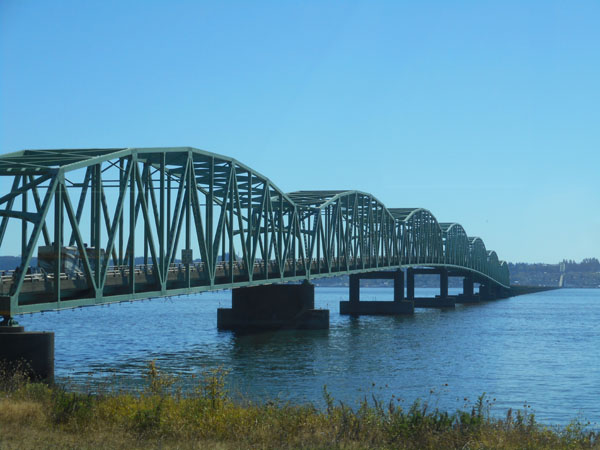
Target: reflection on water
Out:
[541,349]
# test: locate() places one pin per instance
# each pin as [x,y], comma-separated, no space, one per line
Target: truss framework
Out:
[229,225]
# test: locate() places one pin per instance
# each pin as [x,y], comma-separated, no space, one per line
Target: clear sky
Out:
[486,113]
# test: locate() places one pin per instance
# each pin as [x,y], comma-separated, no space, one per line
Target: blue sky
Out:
[486,113]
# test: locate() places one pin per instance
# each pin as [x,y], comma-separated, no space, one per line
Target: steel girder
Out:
[202,221]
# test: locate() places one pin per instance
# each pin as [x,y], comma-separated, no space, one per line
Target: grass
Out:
[34,415]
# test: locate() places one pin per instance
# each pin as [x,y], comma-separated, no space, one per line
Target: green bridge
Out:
[205,222]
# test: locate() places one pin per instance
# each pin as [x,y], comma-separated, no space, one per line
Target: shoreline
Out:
[160,415]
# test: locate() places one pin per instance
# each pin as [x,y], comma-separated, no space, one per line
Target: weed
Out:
[160,415]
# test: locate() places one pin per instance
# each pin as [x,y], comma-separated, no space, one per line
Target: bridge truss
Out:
[202,222]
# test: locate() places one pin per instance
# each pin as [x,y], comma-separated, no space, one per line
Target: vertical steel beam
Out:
[168,206]
[188,217]
[96,191]
[58,235]
[265,215]
[210,264]
[295,237]
[23,221]
[146,224]
[318,223]
[280,252]
[232,197]
[132,218]
[250,244]
[161,224]
[123,186]
[92,209]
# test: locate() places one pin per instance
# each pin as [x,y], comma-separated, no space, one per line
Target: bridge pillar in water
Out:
[27,352]
[273,306]
[487,292]
[439,301]
[443,283]
[398,306]
[410,284]
[493,292]
[468,293]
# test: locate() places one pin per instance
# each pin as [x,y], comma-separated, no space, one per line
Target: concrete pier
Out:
[29,351]
[439,301]
[273,306]
[468,295]
[356,307]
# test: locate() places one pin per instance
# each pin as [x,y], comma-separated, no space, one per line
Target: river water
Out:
[541,350]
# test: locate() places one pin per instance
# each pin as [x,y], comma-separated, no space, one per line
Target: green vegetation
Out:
[33,415]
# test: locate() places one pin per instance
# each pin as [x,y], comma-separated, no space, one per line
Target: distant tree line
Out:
[587,265]
[585,274]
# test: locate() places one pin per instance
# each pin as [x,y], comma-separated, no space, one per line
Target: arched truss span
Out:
[456,244]
[142,222]
[493,266]
[478,256]
[345,231]
[421,236]
[504,277]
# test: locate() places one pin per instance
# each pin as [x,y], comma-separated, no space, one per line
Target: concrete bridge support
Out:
[398,306]
[273,306]
[410,284]
[26,352]
[492,292]
[440,301]
[486,292]
[468,286]
[468,294]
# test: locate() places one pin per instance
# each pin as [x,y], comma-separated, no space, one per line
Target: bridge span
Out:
[97,226]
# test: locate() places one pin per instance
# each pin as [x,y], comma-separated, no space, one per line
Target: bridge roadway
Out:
[202,222]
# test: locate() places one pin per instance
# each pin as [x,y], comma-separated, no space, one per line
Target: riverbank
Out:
[33,415]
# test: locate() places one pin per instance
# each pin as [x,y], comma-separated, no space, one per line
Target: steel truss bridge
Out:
[203,222]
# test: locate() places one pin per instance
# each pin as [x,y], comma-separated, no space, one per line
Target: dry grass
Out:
[37,416]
